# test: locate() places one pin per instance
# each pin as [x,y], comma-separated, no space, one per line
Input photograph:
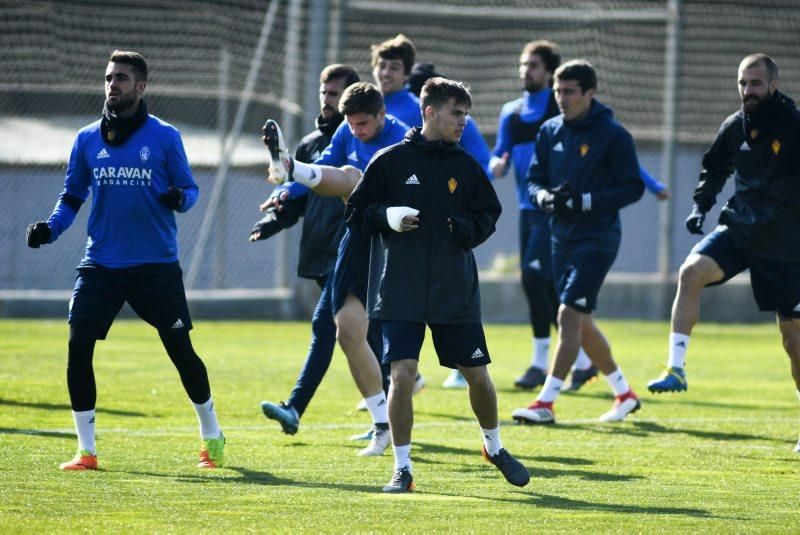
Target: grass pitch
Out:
[716,458]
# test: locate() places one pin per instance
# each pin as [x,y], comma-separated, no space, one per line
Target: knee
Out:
[403,378]
[692,276]
[791,341]
[477,377]
[349,335]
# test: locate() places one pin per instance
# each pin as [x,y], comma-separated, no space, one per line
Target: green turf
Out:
[717,458]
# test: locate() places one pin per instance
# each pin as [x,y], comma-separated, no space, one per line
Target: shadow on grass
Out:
[36,433]
[253,477]
[66,407]
[575,461]
[638,428]
[559,502]
[456,417]
[647,428]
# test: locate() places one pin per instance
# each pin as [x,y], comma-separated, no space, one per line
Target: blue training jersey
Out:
[531,108]
[128,226]
[346,149]
[405,106]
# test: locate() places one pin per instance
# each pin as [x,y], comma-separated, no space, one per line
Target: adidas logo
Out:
[178,324]
[478,354]
[683,344]
[353,156]
[797,308]
[744,146]
[535,264]
[103,154]
[581,302]
[381,403]
[412,180]
[559,147]
[313,175]
[92,420]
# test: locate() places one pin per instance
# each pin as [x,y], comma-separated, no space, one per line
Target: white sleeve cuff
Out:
[395,215]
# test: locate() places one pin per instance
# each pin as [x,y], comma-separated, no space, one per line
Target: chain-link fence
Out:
[218,69]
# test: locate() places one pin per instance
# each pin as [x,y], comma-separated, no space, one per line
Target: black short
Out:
[775,284]
[456,344]
[154,291]
[351,274]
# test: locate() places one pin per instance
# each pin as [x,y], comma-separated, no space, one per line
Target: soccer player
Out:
[758,226]
[392,68]
[367,129]
[323,228]
[584,170]
[432,204]
[392,62]
[136,168]
[519,123]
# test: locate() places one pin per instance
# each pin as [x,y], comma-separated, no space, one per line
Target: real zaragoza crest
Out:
[144,153]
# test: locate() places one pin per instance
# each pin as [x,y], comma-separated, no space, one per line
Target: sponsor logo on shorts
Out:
[797,308]
[178,324]
[535,264]
[413,180]
[581,302]
[477,354]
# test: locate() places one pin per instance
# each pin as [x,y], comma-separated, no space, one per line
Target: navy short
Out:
[154,291]
[579,275]
[535,249]
[456,344]
[775,284]
[351,274]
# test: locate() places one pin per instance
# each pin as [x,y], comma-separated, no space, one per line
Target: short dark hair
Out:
[399,47]
[580,70]
[339,71]
[437,91]
[361,97]
[547,50]
[760,58]
[134,59]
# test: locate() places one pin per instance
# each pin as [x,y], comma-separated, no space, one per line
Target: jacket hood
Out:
[329,126]
[414,136]
[597,112]
[767,115]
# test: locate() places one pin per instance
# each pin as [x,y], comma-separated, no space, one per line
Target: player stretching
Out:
[432,204]
[584,170]
[136,168]
[758,226]
[367,129]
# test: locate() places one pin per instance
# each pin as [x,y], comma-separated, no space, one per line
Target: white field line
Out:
[268,428]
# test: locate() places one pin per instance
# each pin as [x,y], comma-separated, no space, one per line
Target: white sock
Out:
[618,382]
[402,457]
[307,174]
[550,390]
[84,425]
[678,344]
[541,350]
[207,416]
[491,440]
[377,408]
[583,362]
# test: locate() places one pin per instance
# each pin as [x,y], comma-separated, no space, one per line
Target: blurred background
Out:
[218,69]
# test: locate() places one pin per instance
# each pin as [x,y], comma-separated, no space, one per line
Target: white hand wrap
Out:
[395,215]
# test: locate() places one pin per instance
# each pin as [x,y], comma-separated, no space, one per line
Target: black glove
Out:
[172,198]
[694,223]
[267,226]
[38,234]
[566,199]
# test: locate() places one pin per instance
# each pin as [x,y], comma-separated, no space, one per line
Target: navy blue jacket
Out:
[594,155]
